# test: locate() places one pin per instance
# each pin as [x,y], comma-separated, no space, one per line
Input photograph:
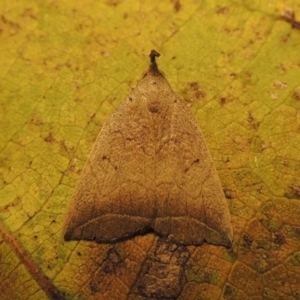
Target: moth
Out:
[150,169]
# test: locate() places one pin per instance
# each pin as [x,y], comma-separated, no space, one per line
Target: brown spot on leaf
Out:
[11,27]
[247,241]
[64,146]
[278,238]
[228,193]
[35,119]
[198,92]
[94,286]
[290,17]
[296,96]
[223,10]
[177,5]
[251,121]
[223,100]
[228,290]
[77,100]
[279,85]
[113,260]
[49,138]
[162,275]
[293,192]
[114,2]
[29,12]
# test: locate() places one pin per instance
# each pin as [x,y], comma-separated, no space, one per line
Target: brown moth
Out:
[150,169]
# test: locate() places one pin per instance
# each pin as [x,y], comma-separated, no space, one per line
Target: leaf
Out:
[65,66]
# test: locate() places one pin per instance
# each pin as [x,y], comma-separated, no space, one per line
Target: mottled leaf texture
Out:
[150,169]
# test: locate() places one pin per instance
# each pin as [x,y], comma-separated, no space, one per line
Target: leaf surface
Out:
[65,66]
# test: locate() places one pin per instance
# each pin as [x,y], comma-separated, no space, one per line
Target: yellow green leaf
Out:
[66,65]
